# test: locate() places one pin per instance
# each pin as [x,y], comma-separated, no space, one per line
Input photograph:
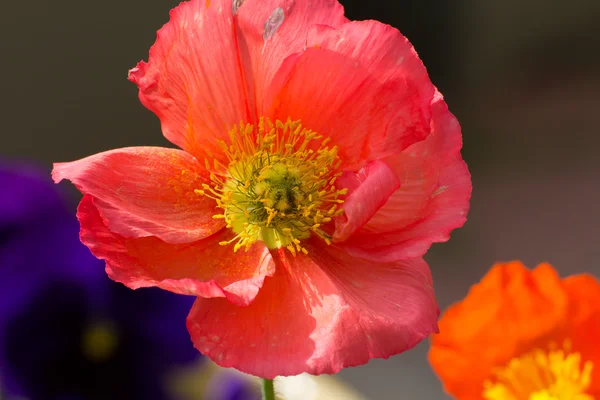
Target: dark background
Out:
[522,76]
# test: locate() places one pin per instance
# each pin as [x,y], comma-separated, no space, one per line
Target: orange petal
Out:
[509,312]
[584,322]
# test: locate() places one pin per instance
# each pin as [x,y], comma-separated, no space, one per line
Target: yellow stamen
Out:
[556,374]
[279,185]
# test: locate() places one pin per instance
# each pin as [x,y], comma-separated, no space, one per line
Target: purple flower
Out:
[228,386]
[66,330]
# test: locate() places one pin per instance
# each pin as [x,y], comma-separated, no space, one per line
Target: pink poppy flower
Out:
[318,165]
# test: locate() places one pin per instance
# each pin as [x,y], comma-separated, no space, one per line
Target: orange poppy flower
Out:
[522,335]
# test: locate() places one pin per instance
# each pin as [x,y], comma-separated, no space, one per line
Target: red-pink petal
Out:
[392,60]
[203,268]
[372,96]
[146,191]
[344,97]
[318,314]
[271,30]
[336,97]
[192,80]
[433,199]
[370,188]
[384,51]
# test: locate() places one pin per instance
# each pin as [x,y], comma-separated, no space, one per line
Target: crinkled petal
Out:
[146,191]
[370,188]
[584,327]
[511,310]
[390,59]
[271,30]
[337,97]
[433,198]
[193,80]
[202,268]
[318,314]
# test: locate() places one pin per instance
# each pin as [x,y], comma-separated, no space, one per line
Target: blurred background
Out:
[522,76]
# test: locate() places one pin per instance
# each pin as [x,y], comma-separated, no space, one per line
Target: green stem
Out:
[268,391]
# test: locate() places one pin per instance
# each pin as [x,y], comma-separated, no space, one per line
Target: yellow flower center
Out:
[99,341]
[556,374]
[279,186]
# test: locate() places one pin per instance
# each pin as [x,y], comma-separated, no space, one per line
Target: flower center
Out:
[99,341]
[279,186]
[556,374]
